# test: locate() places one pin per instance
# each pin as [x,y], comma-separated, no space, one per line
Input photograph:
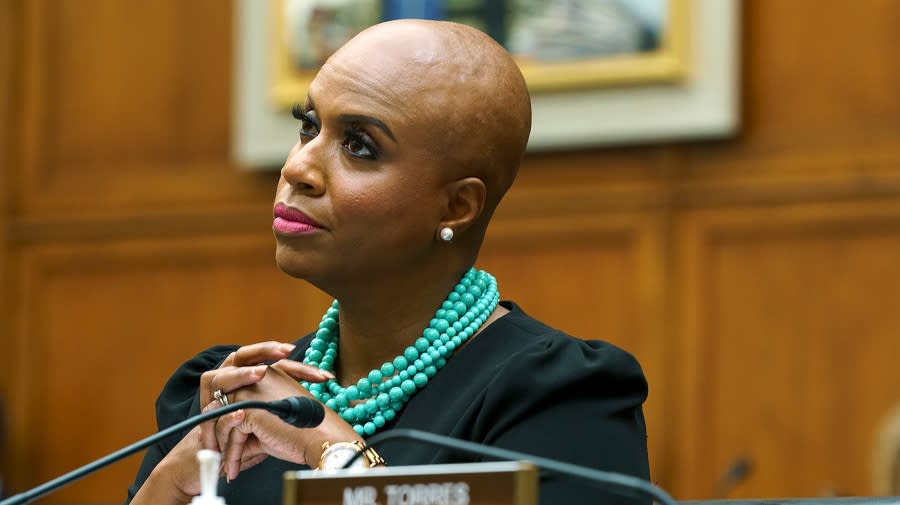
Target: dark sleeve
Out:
[578,402]
[176,402]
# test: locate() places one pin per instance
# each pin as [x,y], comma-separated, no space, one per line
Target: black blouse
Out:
[519,384]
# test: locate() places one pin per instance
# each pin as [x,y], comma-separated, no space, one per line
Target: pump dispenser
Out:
[209,478]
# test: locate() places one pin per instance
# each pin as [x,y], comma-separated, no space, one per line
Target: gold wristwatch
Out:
[335,455]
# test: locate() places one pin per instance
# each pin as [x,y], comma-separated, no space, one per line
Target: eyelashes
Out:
[356,141]
[309,123]
[298,112]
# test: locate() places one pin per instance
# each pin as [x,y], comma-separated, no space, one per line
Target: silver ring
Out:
[219,395]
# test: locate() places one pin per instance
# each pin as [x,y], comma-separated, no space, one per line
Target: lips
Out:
[290,221]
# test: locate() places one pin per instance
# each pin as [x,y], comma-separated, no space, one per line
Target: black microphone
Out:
[610,480]
[299,411]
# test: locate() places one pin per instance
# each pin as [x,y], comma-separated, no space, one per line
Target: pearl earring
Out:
[446,234]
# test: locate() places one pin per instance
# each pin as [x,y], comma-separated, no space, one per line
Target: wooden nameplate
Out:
[493,483]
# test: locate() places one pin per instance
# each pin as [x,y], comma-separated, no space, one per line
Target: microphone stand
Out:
[613,479]
[47,487]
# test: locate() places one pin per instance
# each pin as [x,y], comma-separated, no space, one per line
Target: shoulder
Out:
[535,344]
[548,389]
[537,361]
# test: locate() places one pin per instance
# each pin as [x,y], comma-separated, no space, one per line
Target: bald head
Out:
[457,81]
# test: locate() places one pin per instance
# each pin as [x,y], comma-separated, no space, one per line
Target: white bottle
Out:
[209,478]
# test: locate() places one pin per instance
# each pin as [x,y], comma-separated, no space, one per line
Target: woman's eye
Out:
[309,126]
[359,145]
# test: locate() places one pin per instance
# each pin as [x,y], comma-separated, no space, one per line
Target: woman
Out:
[411,134]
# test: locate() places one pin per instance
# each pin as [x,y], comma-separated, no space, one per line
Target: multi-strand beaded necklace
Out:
[377,398]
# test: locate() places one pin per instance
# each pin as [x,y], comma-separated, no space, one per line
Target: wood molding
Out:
[204,221]
[184,185]
[825,174]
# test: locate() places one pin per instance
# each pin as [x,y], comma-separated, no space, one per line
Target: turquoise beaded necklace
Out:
[385,391]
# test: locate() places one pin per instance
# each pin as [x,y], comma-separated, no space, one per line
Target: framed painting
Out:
[559,44]
[600,71]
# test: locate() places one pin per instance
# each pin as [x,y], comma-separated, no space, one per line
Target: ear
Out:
[465,203]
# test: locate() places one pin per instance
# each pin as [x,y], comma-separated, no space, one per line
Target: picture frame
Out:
[687,88]
[665,61]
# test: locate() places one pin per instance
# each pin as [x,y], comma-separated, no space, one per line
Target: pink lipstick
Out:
[290,221]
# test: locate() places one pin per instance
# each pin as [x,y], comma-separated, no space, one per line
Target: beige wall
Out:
[756,278]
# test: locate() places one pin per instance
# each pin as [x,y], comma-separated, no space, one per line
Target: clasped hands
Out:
[247,437]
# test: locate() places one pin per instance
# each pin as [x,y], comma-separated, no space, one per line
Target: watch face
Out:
[338,455]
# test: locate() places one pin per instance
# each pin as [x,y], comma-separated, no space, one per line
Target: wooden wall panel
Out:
[107,323]
[814,106]
[822,89]
[123,111]
[789,345]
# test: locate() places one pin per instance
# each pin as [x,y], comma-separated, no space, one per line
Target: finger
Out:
[255,354]
[225,429]
[206,388]
[252,456]
[234,452]
[231,379]
[207,433]
[229,360]
[303,372]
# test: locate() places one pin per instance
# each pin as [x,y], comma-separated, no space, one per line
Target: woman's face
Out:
[360,193]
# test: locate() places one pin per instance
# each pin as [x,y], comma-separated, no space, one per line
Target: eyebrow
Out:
[359,118]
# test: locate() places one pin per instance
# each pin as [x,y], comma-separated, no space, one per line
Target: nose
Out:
[303,169]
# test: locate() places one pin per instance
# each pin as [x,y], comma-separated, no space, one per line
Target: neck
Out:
[376,398]
[377,324]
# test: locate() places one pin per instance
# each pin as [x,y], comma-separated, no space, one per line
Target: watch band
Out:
[369,456]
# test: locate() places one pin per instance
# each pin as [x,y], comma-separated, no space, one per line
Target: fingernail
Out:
[286,348]
[260,370]
[327,374]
